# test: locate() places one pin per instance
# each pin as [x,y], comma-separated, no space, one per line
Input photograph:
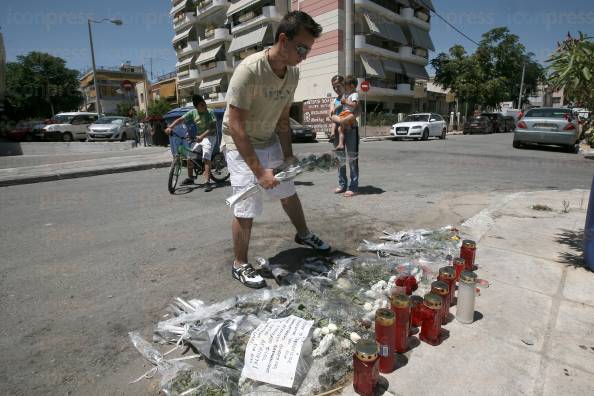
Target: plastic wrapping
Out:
[339,294]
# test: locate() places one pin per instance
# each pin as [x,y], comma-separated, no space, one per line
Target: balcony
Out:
[215,98]
[385,88]
[183,21]
[379,8]
[252,18]
[362,45]
[206,8]
[190,48]
[408,55]
[187,75]
[218,35]
[210,69]
[410,16]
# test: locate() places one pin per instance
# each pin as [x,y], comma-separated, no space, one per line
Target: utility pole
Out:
[521,87]
[348,37]
[97,100]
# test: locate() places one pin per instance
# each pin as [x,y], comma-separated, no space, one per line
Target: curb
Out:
[83,173]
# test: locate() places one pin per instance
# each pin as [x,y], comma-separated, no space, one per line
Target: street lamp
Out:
[117,22]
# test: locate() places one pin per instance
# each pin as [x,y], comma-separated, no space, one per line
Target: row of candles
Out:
[394,325]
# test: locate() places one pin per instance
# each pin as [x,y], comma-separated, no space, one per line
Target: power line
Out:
[448,23]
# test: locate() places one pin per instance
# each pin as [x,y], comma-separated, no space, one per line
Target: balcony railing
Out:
[414,17]
[214,68]
[189,48]
[186,75]
[246,20]
[217,35]
[183,20]
[388,9]
[205,8]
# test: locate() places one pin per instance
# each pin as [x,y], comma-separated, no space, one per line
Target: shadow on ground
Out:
[574,240]
[292,259]
[371,190]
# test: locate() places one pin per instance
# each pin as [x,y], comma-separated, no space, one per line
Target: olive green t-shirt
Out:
[254,87]
[203,121]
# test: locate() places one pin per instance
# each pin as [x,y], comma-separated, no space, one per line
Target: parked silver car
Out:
[112,128]
[548,125]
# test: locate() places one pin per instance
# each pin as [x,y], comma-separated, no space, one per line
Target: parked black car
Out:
[301,132]
[510,123]
[478,124]
[497,120]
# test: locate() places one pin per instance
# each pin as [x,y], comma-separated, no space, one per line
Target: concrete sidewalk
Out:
[534,328]
[63,169]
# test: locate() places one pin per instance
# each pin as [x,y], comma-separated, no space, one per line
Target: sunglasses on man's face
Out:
[302,50]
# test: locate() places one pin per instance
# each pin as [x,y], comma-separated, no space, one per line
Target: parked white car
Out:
[420,126]
[112,128]
[69,126]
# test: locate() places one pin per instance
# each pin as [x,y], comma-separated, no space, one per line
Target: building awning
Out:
[177,8]
[390,31]
[210,83]
[239,6]
[255,37]
[182,35]
[404,3]
[393,66]
[373,66]
[209,55]
[415,71]
[421,38]
[186,85]
[185,62]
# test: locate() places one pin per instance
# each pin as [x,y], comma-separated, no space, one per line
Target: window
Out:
[548,113]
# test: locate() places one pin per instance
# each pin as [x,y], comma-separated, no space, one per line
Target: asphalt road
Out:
[85,261]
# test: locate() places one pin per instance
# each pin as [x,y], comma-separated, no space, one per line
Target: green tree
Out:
[159,107]
[572,68]
[123,109]
[39,85]
[491,74]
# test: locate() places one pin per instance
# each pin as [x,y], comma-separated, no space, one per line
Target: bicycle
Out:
[218,172]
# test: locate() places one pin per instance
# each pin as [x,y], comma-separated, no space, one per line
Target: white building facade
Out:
[388,43]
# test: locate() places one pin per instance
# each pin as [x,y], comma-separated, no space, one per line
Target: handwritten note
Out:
[273,350]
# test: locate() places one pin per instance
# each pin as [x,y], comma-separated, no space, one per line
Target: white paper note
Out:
[273,351]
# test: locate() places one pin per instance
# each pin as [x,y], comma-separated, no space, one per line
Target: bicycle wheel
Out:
[219,171]
[174,172]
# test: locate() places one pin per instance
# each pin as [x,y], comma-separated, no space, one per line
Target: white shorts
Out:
[242,177]
[207,146]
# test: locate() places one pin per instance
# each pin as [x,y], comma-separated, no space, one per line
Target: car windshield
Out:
[109,120]
[63,118]
[547,113]
[417,118]
[477,118]
[294,123]
[490,116]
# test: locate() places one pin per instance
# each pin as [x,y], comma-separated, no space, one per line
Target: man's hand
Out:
[199,139]
[168,131]
[267,180]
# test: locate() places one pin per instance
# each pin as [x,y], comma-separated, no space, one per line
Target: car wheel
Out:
[66,137]
[443,134]
[124,137]
[425,135]
[517,144]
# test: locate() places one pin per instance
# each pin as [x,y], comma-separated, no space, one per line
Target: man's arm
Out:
[173,125]
[283,129]
[237,118]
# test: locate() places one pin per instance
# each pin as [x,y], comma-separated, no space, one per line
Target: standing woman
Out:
[351,143]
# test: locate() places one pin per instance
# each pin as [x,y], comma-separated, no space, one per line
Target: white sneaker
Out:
[247,275]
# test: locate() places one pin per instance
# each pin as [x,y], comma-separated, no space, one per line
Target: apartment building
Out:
[385,42]
[110,81]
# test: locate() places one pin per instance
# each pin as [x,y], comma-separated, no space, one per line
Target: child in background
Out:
[346,110]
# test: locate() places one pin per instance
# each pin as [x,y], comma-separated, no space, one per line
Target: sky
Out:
[59,27]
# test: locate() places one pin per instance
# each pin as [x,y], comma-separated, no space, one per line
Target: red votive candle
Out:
[400,304]
[459,265]
[442,289]
[431,319]
[385,337]
[468,253]
[365,367]
[416,311]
